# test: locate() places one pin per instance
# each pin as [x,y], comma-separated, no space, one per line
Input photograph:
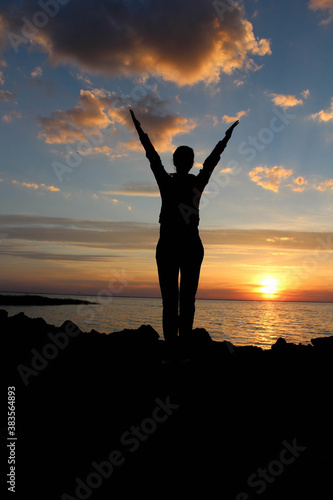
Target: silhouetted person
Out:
[179,248]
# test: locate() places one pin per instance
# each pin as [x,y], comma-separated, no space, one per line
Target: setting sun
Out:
[269,287]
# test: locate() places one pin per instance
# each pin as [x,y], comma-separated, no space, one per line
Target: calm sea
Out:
[240,322]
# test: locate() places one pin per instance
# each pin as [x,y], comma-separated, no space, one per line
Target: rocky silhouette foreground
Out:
[101,416]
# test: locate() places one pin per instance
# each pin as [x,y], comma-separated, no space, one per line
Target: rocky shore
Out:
[102,416]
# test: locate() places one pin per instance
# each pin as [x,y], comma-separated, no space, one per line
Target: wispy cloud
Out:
[323,5]
[6,96]
[32,185]
[133,236]
[134,189]
[305,93]
[238,116]
[30,253]
[37,72]
[324,115]
[277,239]
[269,177]
[82,78]
[299,185]
[80,233]
[11,116]
[288,100]
[325,185]
[240,81]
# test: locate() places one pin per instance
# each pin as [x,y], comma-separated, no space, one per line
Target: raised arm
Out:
[151,153]
[214,157]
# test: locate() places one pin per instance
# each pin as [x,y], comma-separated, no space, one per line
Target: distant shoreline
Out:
[37,300]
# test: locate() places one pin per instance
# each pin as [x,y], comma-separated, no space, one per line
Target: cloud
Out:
[301,184]
[38,71]
[305,94]
[4,26]
[32,185]
[134,189]
[182,41]
[100,110]
[324,116]
[37,255]
[231,119]
[80,233]
[9,117]
[239,81]
[45,87]
[6,96]
[87,149]
[269,178]
[325,5]
[162,126]
[64,127]
[276,239]
[325,185]
[287,100]
[106,150]
[82,78]
[133,236]
[300,181]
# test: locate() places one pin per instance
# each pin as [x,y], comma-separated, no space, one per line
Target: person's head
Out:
[183,159]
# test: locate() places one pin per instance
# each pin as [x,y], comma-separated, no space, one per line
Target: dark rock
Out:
[280,345]
[144,334]
[70,328]
[207,425]
[323,343]
[200,336]
[3,315]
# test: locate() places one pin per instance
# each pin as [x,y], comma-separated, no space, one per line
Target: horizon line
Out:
[160,298]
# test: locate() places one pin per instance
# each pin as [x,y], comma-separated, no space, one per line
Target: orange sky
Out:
[104,258]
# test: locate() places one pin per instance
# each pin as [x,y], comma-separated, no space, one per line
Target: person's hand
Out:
[135,120]
[230,130]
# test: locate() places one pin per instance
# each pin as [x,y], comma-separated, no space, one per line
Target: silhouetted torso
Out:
[180,195]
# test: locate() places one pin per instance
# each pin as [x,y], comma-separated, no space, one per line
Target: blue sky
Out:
[69,151]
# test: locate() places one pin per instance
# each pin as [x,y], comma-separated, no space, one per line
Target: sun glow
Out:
[269,287]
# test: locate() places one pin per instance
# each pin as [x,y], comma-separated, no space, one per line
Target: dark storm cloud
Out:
[184,41]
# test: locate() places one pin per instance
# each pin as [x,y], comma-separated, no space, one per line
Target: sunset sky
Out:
[79,204]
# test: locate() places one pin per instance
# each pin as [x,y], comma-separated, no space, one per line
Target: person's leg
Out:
[168,272]
[192,258]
